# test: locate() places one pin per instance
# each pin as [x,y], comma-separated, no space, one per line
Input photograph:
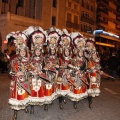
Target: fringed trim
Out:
[18,104]
[77,97]
[36,100]
[94,92]
[63,92]
[49,99]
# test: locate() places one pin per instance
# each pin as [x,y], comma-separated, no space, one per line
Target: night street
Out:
[105,107]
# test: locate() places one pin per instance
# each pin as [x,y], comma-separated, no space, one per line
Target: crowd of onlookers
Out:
[110,61]
[5,60]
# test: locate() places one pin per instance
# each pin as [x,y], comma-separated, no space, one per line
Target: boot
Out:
[64,101]
[75,105]
[60,103]
[46,107]
[26,110]
[15,115]
[32,109]
[90,102]
[61,106]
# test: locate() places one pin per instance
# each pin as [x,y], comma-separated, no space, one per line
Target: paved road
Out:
[105,107]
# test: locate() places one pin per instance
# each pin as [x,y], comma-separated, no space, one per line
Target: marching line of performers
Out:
[69,69]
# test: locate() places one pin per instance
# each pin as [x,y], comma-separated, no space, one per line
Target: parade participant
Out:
[37,76]
[64,71]
[53,37]
[37,36]
[78,41]
[93,65]
[94,75]
[19,87]
[79,91]
[51,66]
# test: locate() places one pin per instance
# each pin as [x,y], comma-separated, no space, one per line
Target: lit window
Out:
[54,3]
[53,20]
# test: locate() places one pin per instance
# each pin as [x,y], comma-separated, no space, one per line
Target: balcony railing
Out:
[88,20]
[76,1]
[72,25]
[102,21]
[69,24]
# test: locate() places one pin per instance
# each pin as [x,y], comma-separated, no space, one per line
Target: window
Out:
[69,17]
[87,5]
[53,20]
[91,7]
[20,3]
[0,39]
[82,14]
[83,3]
[87,15]
[75,19]
[75,7]
[82,27]
[54,3]
[32,8]
[5,1]
[69,4]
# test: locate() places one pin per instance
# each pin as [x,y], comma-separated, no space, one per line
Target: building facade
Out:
[74,15]
[19,14]
[108,19]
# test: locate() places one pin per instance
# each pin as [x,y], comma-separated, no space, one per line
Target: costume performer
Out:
[79,91]
[93,70]
[51,65]
[64,71]
[19,87]
[37,78]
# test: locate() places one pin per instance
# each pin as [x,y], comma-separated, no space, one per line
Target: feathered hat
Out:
[65,35]
[35,32]
[53,33]
[14,38]
[76,36]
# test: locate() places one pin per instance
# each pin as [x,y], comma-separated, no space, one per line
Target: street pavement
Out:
[105,107]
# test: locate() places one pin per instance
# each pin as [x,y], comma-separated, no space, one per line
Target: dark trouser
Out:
[113,73]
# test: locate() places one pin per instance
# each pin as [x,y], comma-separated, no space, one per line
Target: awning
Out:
[108,37]
[105,44]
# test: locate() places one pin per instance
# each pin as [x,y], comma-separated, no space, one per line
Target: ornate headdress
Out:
[19,39]
[65,35]
[53,33]
[37,36]
[76,36]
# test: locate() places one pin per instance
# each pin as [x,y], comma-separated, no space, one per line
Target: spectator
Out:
[113,65]
[5,61]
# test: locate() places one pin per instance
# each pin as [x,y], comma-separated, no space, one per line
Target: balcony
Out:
[106,1]
[69,24]
[88,20]
[102,21]
[104,10]
[76,26]
[76,1]
[72,25]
